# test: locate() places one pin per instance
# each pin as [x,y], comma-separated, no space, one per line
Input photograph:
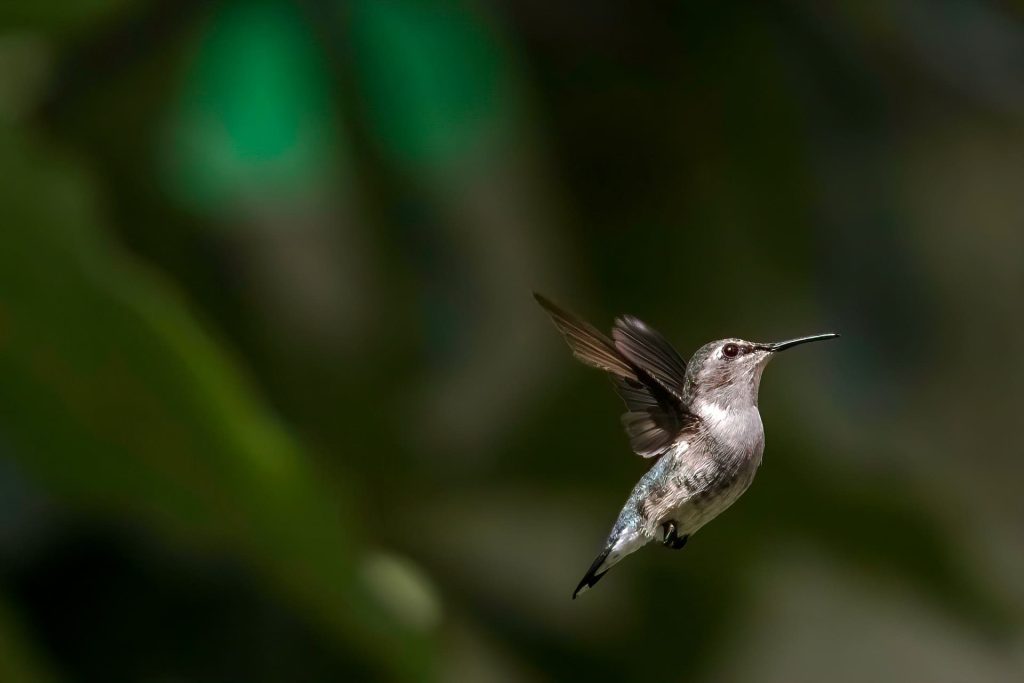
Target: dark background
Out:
[276,403]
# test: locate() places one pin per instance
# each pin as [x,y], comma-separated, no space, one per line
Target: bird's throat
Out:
[735,427]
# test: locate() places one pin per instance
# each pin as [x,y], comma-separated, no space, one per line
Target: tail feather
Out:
[593,575]
[622,543]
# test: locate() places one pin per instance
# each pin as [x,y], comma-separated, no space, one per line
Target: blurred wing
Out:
[655,417]
[588,344]
[645,348]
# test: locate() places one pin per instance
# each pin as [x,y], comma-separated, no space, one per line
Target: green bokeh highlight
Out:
[255,120]
[434,77]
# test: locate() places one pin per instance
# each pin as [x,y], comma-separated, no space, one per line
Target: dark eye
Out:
[730,350]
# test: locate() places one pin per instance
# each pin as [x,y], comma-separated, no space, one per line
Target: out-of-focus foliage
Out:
[255,117]
[65,18]
[18,660]
[116,398]
[275,403]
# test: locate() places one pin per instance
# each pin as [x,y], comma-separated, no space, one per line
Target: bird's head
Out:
[728,371]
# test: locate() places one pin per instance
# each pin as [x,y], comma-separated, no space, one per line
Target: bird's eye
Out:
[730,350]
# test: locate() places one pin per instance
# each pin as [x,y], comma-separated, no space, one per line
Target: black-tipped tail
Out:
[592,576]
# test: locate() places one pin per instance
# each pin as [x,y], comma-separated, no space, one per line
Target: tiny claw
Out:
[671,536]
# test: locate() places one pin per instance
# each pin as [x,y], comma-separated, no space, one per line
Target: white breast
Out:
[736,428]
[739,443]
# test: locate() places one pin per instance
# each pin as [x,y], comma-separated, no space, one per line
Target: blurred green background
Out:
[276,403]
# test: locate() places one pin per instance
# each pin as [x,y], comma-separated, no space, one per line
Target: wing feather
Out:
[646,348]
[588,344]
[646,371]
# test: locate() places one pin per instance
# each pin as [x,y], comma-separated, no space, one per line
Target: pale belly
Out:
[691,496]
[696,510]
[683,489]
[690,486]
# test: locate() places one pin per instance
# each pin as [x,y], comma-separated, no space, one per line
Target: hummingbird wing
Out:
[646,348]
[646,371]
[656,414]
[655,418]
[588,344]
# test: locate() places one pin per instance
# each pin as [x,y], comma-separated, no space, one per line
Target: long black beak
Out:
[783,345]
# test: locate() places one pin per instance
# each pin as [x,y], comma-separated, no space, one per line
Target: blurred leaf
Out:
[115,397]
[255,117]
[433,74]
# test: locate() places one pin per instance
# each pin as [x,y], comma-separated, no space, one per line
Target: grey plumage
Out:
[699,419]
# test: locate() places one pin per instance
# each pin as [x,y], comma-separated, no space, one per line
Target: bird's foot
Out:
[672,539]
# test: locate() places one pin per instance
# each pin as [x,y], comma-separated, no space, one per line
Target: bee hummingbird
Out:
[699,419]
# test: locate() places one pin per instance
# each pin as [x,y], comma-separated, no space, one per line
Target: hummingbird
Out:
[698,420]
